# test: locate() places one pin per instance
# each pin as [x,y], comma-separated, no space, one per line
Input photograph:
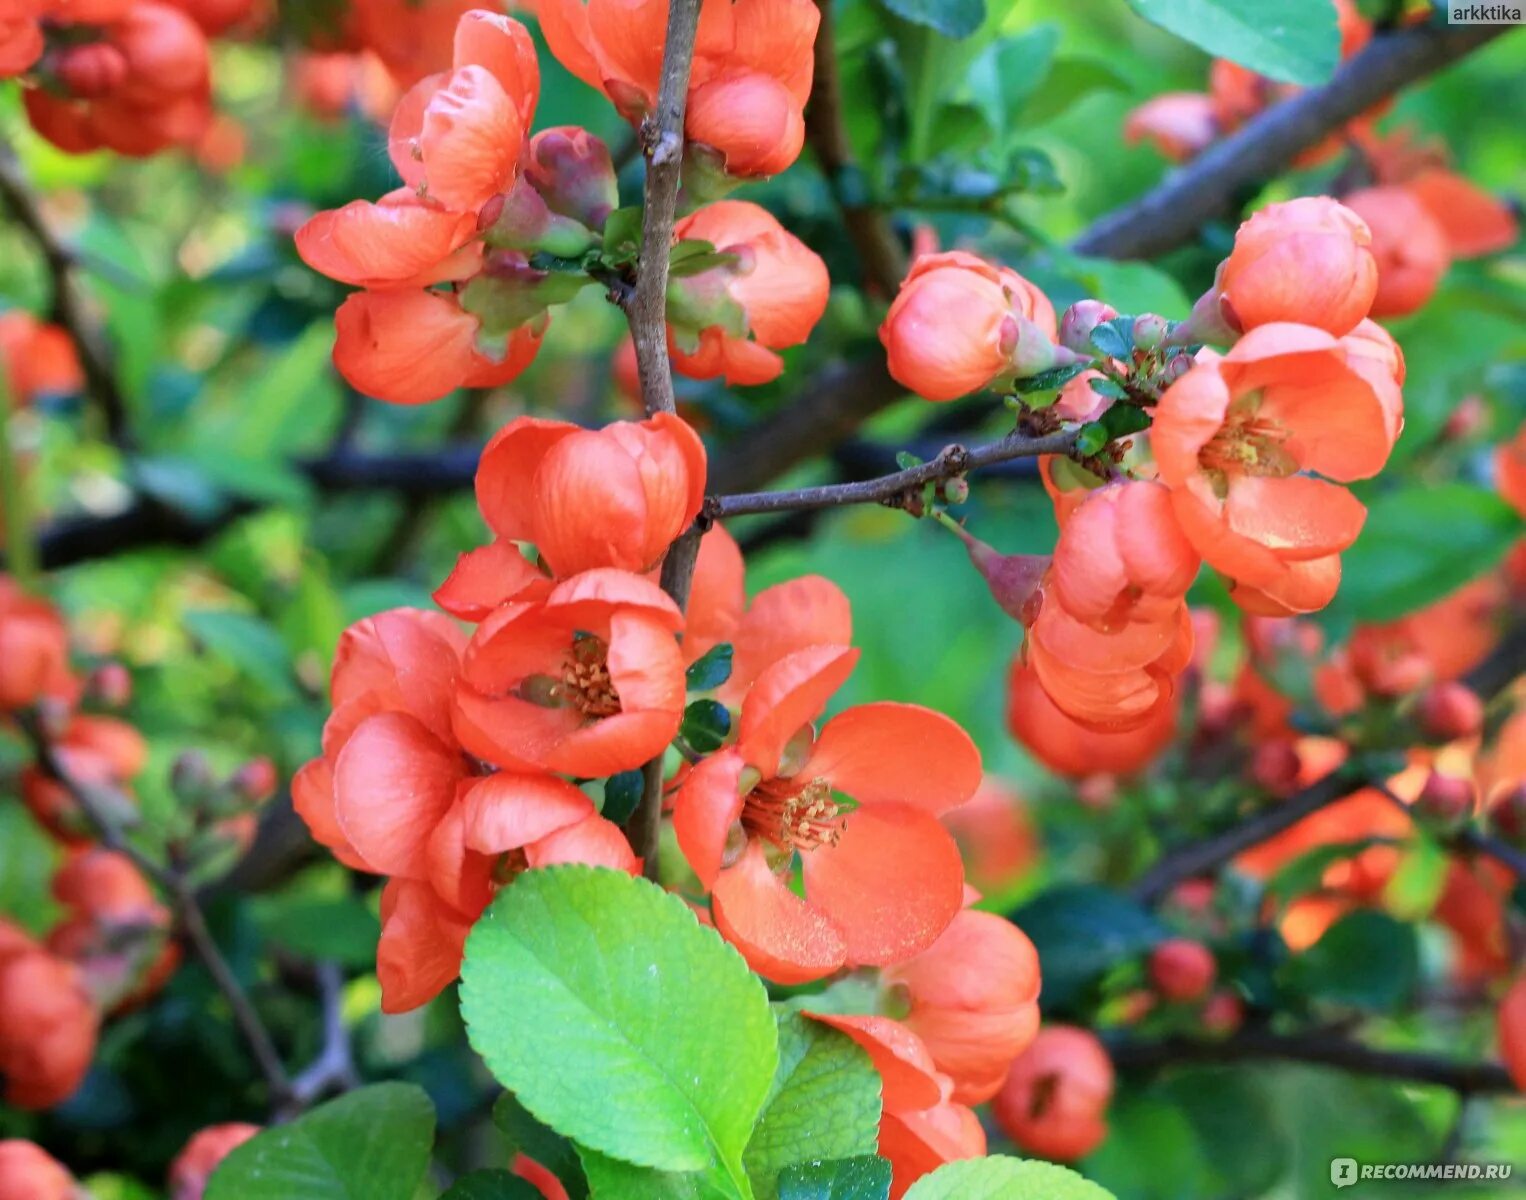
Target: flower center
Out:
[795,816]
[1248,445]
[586,683]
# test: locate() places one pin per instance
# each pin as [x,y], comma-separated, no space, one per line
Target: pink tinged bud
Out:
[1181,969]
[1080,319]
[574,174]
[1208,324]
[92,70]
[1029,350]
[255,781]
[1223,1013]
[1150,331]
[1274,766]
[1448,711]
[1014,579]
[519,219]
[1446,800]
[110,685]
[1466,420]
[1507,814]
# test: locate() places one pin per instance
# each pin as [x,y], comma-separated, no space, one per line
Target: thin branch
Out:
[842,397]
[879,250]
[182,898]
[1321,1050]
[662,142]
[69,308]
[333,1070]
[1206,187]
[950,462]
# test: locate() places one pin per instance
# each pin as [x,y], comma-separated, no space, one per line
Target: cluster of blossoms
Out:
[111,948]
[28,1172]
[455,266]
[1252,414]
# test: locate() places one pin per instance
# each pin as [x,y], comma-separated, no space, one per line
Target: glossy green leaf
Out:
[865,1177]
[1002,1178]
[1295,41]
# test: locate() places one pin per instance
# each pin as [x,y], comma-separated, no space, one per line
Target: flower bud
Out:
[1150,331]
[1223,1013]
[1446,801]
[91,70]
[191,777]
[1206,325]
[1448,711]
[1029,350]
[110,685]
[1274,766]
[1080,319]
[573,172]
[1507,814]
[519,219]
[1182,969]
[1013,578]
[1409,245]
[1466,420]
[28,1172]
[255,781]
[751,120]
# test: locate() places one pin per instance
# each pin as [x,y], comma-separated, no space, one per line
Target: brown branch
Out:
[1206,187]
[844,396]
[662,142]
[333,1070]
[69,308]
[1320,1050]
[1490,677]
[951,461]
[182,898]
[883,258]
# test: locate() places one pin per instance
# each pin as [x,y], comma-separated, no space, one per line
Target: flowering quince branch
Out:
[1488,679]
[68,305]
[183,899]
[892,489]
[1321,1049]
[333,1070]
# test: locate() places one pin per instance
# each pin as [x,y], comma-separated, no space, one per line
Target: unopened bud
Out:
[1030,351]
[191,776]
[1182,969]
[1150,331]
[1078,322]
[519,219]
[508,293]
[1223,1013]
[1175,367]
[1507,814]
[1446,801]
[1209,324]
[1466,420]
[1012,578]
[110,685]
[574,174]
[956,490]
[91,70]
[1274,766]
[255,781]
[1448,711]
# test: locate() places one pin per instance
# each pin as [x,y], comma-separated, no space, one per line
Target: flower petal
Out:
[906,1069]
[897,754]
[508,811]
[788,696]
[781,936]
[422,942]
[708,804]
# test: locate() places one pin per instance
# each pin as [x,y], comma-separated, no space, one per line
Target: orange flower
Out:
[749,83]
[589,682]
[995,835]
[1509,470]
[799,613]
[613,497]
[743,814]
[1065,745]
[200,1156]
[399,242]
[21,45]
[918,1142]
[1512,1032]
[1054,1101]
[117,932]
[411,347]
[958,322]
[1179,125]
[717,595]
[1474,222]
[728,321]
[412,37]
[456,137]
[1239,441]
[1307,260]
[48,1035]
[94,750]
[217,16]
[1121,557]
[34,651]
[38,358]
[973,998]
[1409,245]
[27,1171]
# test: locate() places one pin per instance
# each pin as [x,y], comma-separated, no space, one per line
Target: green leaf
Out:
[1295,41]
[550,1149]
[866,1177]
[952,18]
[1007,74]
[706,725]
[1115,338]
[711,669]
[491,1185]
[1000,1178]
[247,643]
[622,794]
[622,233]
[1091,438]
[1070,80]
[1050,380]
[372,1144]
[620,982]
[611,1179]
[342,929]
[825,1103]
[1419,544]
[1080,931]
[1367,959]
